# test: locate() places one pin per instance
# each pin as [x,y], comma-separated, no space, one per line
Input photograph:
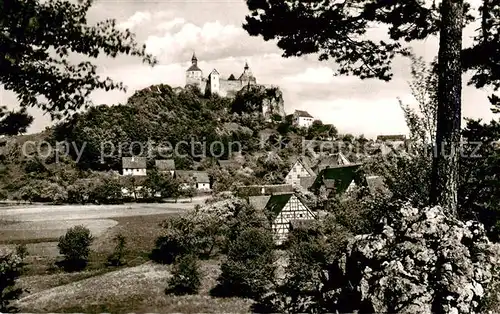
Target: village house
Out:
[284,210]
[259,195]
[196,179]
[229,164]
[299,170]
[135,166]
[165,166]
[338,180]
[302,119]
[330,161]
[133,186]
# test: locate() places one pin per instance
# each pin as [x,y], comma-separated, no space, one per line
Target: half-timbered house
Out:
[299,170]
[283,210]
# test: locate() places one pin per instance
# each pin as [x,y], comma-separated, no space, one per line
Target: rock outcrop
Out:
[421,262]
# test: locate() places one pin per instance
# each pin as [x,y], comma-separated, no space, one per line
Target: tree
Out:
[75,246]
[14,122]
[249,269]
[37,40]
[186,276]
[116,259]
[11,267]
[338,30]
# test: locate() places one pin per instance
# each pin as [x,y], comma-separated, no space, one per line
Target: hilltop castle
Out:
[214,83]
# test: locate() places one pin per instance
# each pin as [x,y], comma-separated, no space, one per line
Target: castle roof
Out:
[303,114]
[193,67]
[214,71]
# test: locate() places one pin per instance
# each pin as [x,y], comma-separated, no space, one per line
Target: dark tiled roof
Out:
[197,176]
[339,178]
[277,202]
[334,160]
[194,67]
[134,162]
[303,114]
[165,164]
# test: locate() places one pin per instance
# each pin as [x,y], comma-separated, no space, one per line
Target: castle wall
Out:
[229,87]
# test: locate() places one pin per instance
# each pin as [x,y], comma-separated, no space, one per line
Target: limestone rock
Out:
[422,261]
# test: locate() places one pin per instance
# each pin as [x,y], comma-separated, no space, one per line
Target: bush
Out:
[186,276]
[116,259]
[75,246]
[11,266]
[250,267]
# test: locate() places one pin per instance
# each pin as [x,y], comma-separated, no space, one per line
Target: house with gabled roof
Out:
[300,169]
[135,166]
[302,119]
[338,180]
[165,166]
[330,161]
[283,210]
[197,179]
[228,164]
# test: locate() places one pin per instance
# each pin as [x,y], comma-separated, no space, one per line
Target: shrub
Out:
[75,246]
[249,270]
[186,276]
[11,266]
[116,259]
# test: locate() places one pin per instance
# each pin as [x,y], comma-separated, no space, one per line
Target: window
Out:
[298,176]
[301,215]
[294,169]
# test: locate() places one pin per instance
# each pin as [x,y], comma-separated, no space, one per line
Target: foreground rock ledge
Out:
[421,262]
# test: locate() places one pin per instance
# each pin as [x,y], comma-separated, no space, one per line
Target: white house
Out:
[285,209]
[299,170]
[165,166]
[135,166]
[197,179]
[302,119]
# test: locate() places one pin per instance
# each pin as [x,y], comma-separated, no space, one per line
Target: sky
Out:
[173,29]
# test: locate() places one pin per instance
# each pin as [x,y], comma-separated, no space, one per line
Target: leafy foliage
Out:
[340,30]
[38,38]
[75,246]
[116,258]
[249,269]
[186,276]
[14,122]
[11,267]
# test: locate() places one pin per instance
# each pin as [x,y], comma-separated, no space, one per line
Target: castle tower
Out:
[194,74]
[213,83]
[247,77]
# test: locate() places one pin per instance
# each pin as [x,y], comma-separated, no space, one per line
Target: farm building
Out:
[135,166]
[165,166]
[338,180]
[197,179]
[283,210]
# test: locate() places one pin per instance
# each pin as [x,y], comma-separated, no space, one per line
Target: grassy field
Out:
[136,287]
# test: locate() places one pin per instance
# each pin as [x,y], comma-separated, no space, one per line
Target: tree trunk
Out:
[444,184]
